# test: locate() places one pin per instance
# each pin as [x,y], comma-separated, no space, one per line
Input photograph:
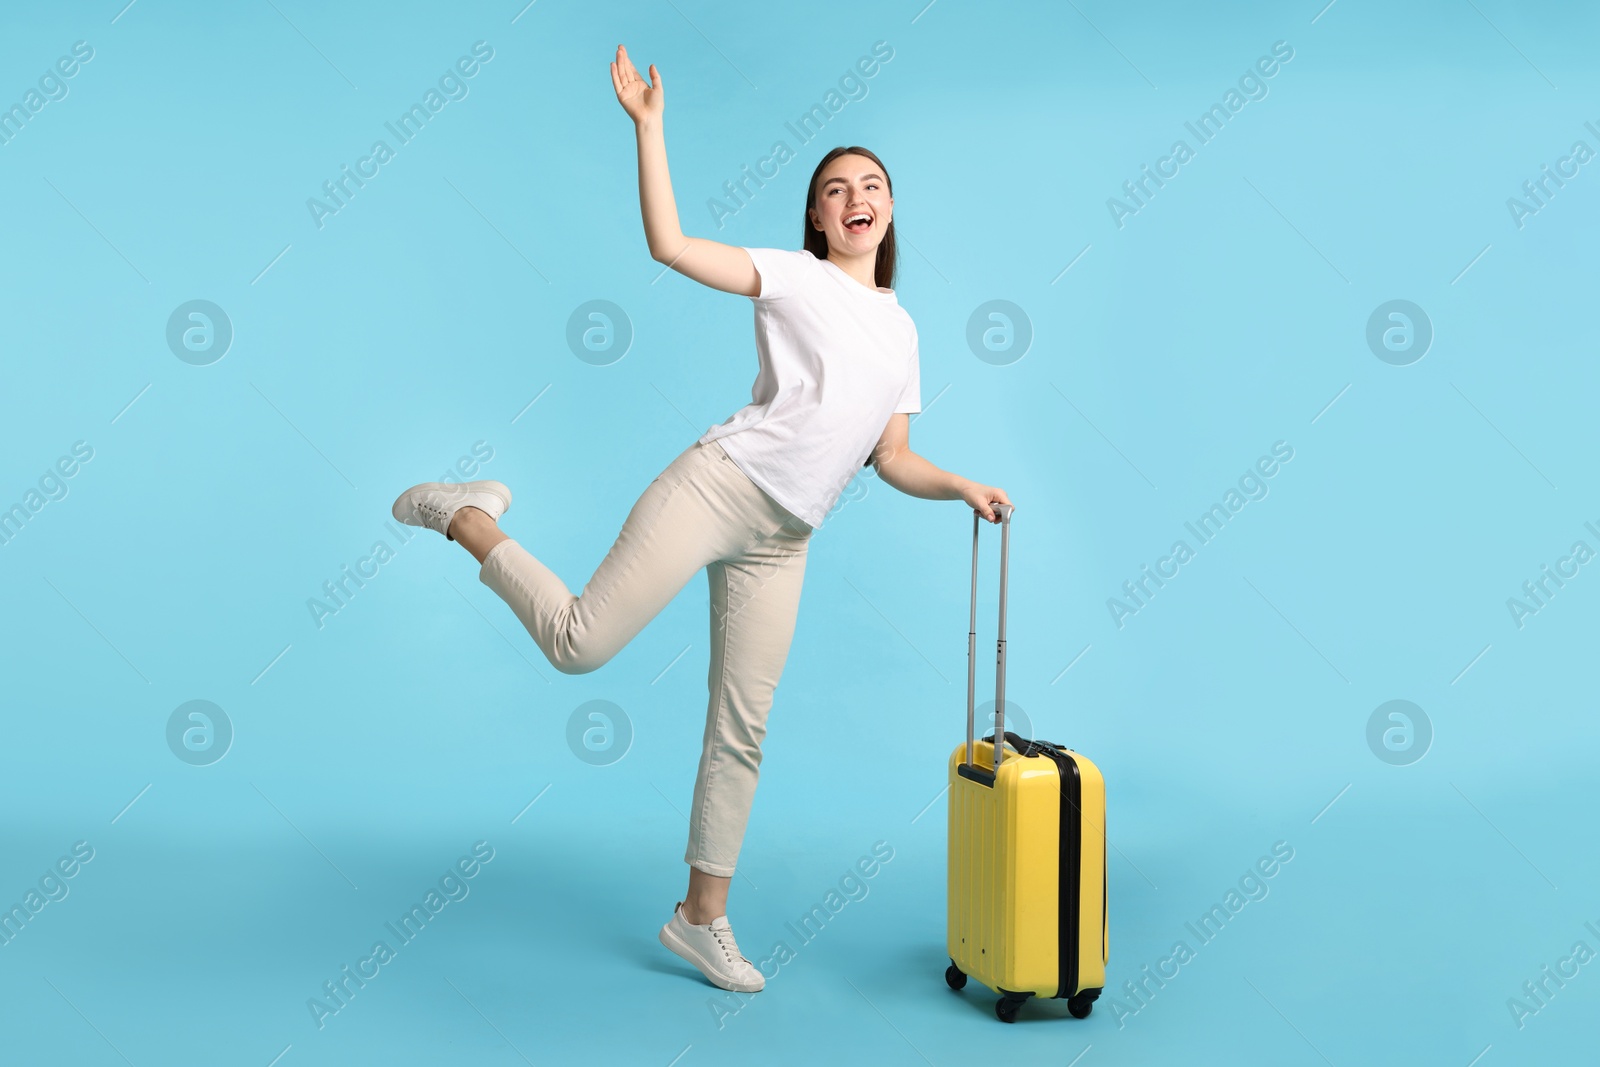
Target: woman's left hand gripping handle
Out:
[982,498]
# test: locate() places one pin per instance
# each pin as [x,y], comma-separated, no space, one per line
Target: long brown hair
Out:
[816,241]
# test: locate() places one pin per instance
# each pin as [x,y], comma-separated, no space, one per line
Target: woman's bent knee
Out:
[580,657]
[573,663]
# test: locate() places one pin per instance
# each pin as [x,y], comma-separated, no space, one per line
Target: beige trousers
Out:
[701,512]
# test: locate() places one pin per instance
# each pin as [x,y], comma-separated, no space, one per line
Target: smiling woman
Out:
[742,501]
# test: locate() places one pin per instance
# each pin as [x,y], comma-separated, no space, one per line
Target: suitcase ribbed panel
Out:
[975,891]
[1003,903]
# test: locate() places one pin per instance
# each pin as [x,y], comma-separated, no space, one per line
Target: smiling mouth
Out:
[860,222]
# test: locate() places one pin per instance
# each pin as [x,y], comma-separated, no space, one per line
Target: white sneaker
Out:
[712,949]
[433,504]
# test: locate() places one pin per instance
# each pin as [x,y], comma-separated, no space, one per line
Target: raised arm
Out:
[712,263]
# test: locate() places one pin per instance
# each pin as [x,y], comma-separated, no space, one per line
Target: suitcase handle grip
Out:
[1004,511]
[1021,745]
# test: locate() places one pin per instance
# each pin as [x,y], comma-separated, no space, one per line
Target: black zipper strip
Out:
[1071,868]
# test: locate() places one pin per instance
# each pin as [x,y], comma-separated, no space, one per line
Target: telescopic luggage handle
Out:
[1004,511]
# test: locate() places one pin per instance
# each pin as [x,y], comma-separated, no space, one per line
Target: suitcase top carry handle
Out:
[1004,511]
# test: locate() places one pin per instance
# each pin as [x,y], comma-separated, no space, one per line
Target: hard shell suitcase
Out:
[1027,860]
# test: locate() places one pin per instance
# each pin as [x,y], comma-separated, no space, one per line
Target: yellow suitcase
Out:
[1027,851]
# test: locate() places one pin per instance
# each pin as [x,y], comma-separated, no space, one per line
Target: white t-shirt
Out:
[837,359]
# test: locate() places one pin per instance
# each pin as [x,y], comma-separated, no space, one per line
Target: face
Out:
[853,206]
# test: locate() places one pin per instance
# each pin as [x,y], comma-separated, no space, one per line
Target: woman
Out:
[838,377]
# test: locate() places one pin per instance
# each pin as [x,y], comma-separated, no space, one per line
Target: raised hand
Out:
[641,100]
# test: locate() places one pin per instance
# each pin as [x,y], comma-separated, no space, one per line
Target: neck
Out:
[862,267]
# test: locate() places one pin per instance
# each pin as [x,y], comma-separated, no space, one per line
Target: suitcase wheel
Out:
[1080,1006]
[1006,1007]
[954,978]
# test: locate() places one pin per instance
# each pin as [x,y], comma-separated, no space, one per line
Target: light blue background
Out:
[427,314]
